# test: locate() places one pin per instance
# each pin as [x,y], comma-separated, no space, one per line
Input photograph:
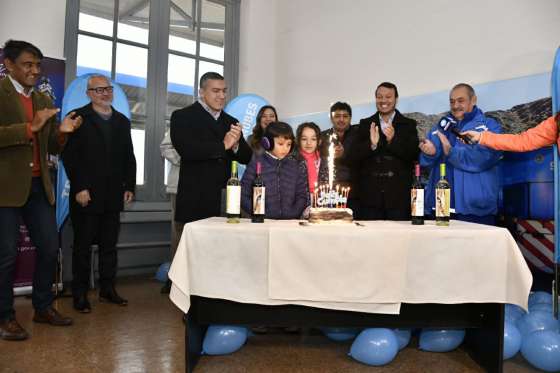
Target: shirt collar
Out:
[19,88]
[213,113]
[386,124]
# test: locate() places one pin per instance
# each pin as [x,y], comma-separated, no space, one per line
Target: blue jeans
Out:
[39,217]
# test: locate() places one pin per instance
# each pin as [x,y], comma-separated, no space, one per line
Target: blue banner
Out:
[74,98]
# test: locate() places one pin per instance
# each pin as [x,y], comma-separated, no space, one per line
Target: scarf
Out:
[313,161]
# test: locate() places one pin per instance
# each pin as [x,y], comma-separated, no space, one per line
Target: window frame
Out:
[152,192]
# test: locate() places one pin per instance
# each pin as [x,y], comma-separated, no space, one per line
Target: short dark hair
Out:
[468,87]
[12,49]
[313,126]
[211,75]
[340,106]
[280,129]
[390,86]
[258,131]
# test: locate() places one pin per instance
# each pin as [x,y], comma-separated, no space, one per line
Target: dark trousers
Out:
[102,229]
[39,217]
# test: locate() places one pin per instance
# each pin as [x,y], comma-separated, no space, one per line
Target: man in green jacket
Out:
[28,131]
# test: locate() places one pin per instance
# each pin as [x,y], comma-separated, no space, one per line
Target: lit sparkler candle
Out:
[330,160]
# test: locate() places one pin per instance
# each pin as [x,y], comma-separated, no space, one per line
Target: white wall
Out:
[303,55]
[40,22]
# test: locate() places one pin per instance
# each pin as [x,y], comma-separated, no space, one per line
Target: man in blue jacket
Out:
[472,170]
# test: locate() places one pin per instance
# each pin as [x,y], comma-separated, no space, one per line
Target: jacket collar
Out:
[468,116]
[396,119]
[11,94]
[19,88]
[87,110]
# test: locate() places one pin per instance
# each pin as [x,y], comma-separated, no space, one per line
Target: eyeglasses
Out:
[101,90]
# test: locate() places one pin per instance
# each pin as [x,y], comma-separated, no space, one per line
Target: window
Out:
[129,41]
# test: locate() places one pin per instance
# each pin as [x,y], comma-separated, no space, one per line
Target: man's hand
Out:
[427,147]
[40,118]
[444,143]
[474,136]
[70,123]
[128,196]
[389,132]
[83,198]
[338,150]
[232,136]
[373,134]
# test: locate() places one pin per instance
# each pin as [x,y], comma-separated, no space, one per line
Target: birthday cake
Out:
[329,215]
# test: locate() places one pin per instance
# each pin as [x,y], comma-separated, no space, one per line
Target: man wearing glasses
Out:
[101,167]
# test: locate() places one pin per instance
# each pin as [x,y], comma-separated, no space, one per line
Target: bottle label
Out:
[417,202]
[443,202]
[233,196]
[258,200]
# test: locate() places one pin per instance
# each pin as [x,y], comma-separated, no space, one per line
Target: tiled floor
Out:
[148,336]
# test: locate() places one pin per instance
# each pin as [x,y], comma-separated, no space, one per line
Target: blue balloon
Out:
[441,340]
[75,96]
[542,350]
[341,334]
[545,307]
[513,311]
[223,339]
[537,320]
[540,297]
[245,108]
[161,274]
[403,337]
[512,340]
[376,346]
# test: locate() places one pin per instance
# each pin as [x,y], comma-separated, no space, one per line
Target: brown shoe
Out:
[10,330]
[51,316]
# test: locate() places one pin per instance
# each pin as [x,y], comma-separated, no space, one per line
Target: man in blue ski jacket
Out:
[471,170]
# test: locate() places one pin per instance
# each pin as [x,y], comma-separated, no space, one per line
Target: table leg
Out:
[486,344]
[194,335]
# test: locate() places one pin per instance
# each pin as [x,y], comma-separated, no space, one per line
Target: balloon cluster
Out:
[379,346]
[536,333]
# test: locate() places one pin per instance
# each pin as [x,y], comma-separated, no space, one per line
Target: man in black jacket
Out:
[341,135]
[384,150]
[207,139]
[101,167]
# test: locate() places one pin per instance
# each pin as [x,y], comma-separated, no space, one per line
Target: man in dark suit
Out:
[28,131]
[207,139]
[101,167]
[385,149]
[343,132]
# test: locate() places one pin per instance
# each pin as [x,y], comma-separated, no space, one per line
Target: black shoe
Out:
[81,304]
[110,296]
[166,289]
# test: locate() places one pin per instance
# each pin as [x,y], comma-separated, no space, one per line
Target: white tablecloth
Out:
[371,268]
